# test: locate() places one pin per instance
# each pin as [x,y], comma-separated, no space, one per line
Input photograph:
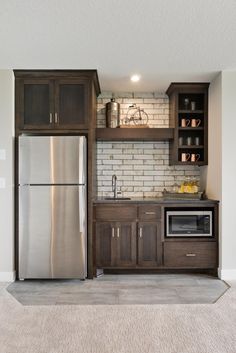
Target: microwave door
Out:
[188,223]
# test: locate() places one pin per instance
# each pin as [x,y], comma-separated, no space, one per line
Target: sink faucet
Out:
[114,186]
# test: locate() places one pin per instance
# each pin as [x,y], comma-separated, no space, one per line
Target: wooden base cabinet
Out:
[149,244]
[115,244]
[126,240]
[132,237]
[196,254]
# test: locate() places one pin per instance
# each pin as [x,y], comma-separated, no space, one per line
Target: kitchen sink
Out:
[117,198]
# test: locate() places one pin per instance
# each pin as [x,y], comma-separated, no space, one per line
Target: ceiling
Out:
[162,40]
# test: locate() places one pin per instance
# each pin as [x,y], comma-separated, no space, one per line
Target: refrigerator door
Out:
[52,232]
[52,160]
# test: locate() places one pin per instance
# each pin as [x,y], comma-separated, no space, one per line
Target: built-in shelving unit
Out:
[189,118]
[132,134]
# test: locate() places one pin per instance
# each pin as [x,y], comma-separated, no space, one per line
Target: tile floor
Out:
[120,289]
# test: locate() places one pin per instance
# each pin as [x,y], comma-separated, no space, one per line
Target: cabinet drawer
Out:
[190,254]
[115,213]
[149,213]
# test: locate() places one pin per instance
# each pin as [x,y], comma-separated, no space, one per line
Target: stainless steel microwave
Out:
[185,223]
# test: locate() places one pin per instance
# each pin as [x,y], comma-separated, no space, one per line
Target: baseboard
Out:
[7,276]
[227,274]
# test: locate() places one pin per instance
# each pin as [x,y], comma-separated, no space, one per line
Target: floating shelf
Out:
[191,146]
[182,111]
[191,128]
[132,134]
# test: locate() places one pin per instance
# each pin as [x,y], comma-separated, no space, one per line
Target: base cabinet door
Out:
[149,244]
[105,244]
[125,244]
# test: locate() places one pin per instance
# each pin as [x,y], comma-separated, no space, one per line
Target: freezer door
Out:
[52,160]
[52,232]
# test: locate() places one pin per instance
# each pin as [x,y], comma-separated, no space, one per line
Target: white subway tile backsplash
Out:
[142,168]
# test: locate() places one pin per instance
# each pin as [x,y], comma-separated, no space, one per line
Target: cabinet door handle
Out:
[118,232]
[190,255]
[113,232]
[140,232]
[50,118]
[149,212]
[56,118]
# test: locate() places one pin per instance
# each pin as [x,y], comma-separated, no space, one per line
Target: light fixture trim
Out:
[135,78]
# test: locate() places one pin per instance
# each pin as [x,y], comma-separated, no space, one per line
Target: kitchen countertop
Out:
[157,200]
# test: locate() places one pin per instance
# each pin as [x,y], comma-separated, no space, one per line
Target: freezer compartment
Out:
[52,232]
[52,160]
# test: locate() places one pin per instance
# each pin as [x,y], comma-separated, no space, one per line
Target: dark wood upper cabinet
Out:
[71,108]
[36,103]
[58,100]
[189,118]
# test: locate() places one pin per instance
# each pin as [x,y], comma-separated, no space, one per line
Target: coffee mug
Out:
[195,122]
[195,157]
[185,157]
[181,141]
[197,141]
[189,141]
[193,105]
[185,122]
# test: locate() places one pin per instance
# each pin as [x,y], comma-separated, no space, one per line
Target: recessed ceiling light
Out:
[135,78]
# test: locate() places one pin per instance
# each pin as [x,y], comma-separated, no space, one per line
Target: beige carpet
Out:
[198,328]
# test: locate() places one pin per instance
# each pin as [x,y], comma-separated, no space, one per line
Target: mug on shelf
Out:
[193,105]
[197,141]
[185,157]
[195,157]
[185,122]
[189,141]
[181,141]
[195,122]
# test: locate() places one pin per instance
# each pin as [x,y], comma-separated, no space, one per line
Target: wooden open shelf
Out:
[148,134]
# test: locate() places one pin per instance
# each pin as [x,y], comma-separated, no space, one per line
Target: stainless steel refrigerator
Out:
[52,207]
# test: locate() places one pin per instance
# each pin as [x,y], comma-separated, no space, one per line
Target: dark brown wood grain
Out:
[149,244]
[132,134]
[149,213]
[195,254]
[195,92]
[116,212]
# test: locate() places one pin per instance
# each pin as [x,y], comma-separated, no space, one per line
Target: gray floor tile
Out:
[120,289]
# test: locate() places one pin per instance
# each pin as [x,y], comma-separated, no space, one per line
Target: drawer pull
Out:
[190,255]
[150,213]
[140,232]
[118,232]
[113,232]
[50,118]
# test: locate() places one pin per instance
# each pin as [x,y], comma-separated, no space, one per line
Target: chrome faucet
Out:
[114,186]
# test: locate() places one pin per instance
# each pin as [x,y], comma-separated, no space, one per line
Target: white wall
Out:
[228,175]
[211,175]
[7,172]
[219,176]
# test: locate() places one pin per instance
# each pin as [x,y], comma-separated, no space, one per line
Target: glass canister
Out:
[112,114]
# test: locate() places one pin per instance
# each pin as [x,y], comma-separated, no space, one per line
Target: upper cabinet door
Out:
[36,106]
[71,104]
